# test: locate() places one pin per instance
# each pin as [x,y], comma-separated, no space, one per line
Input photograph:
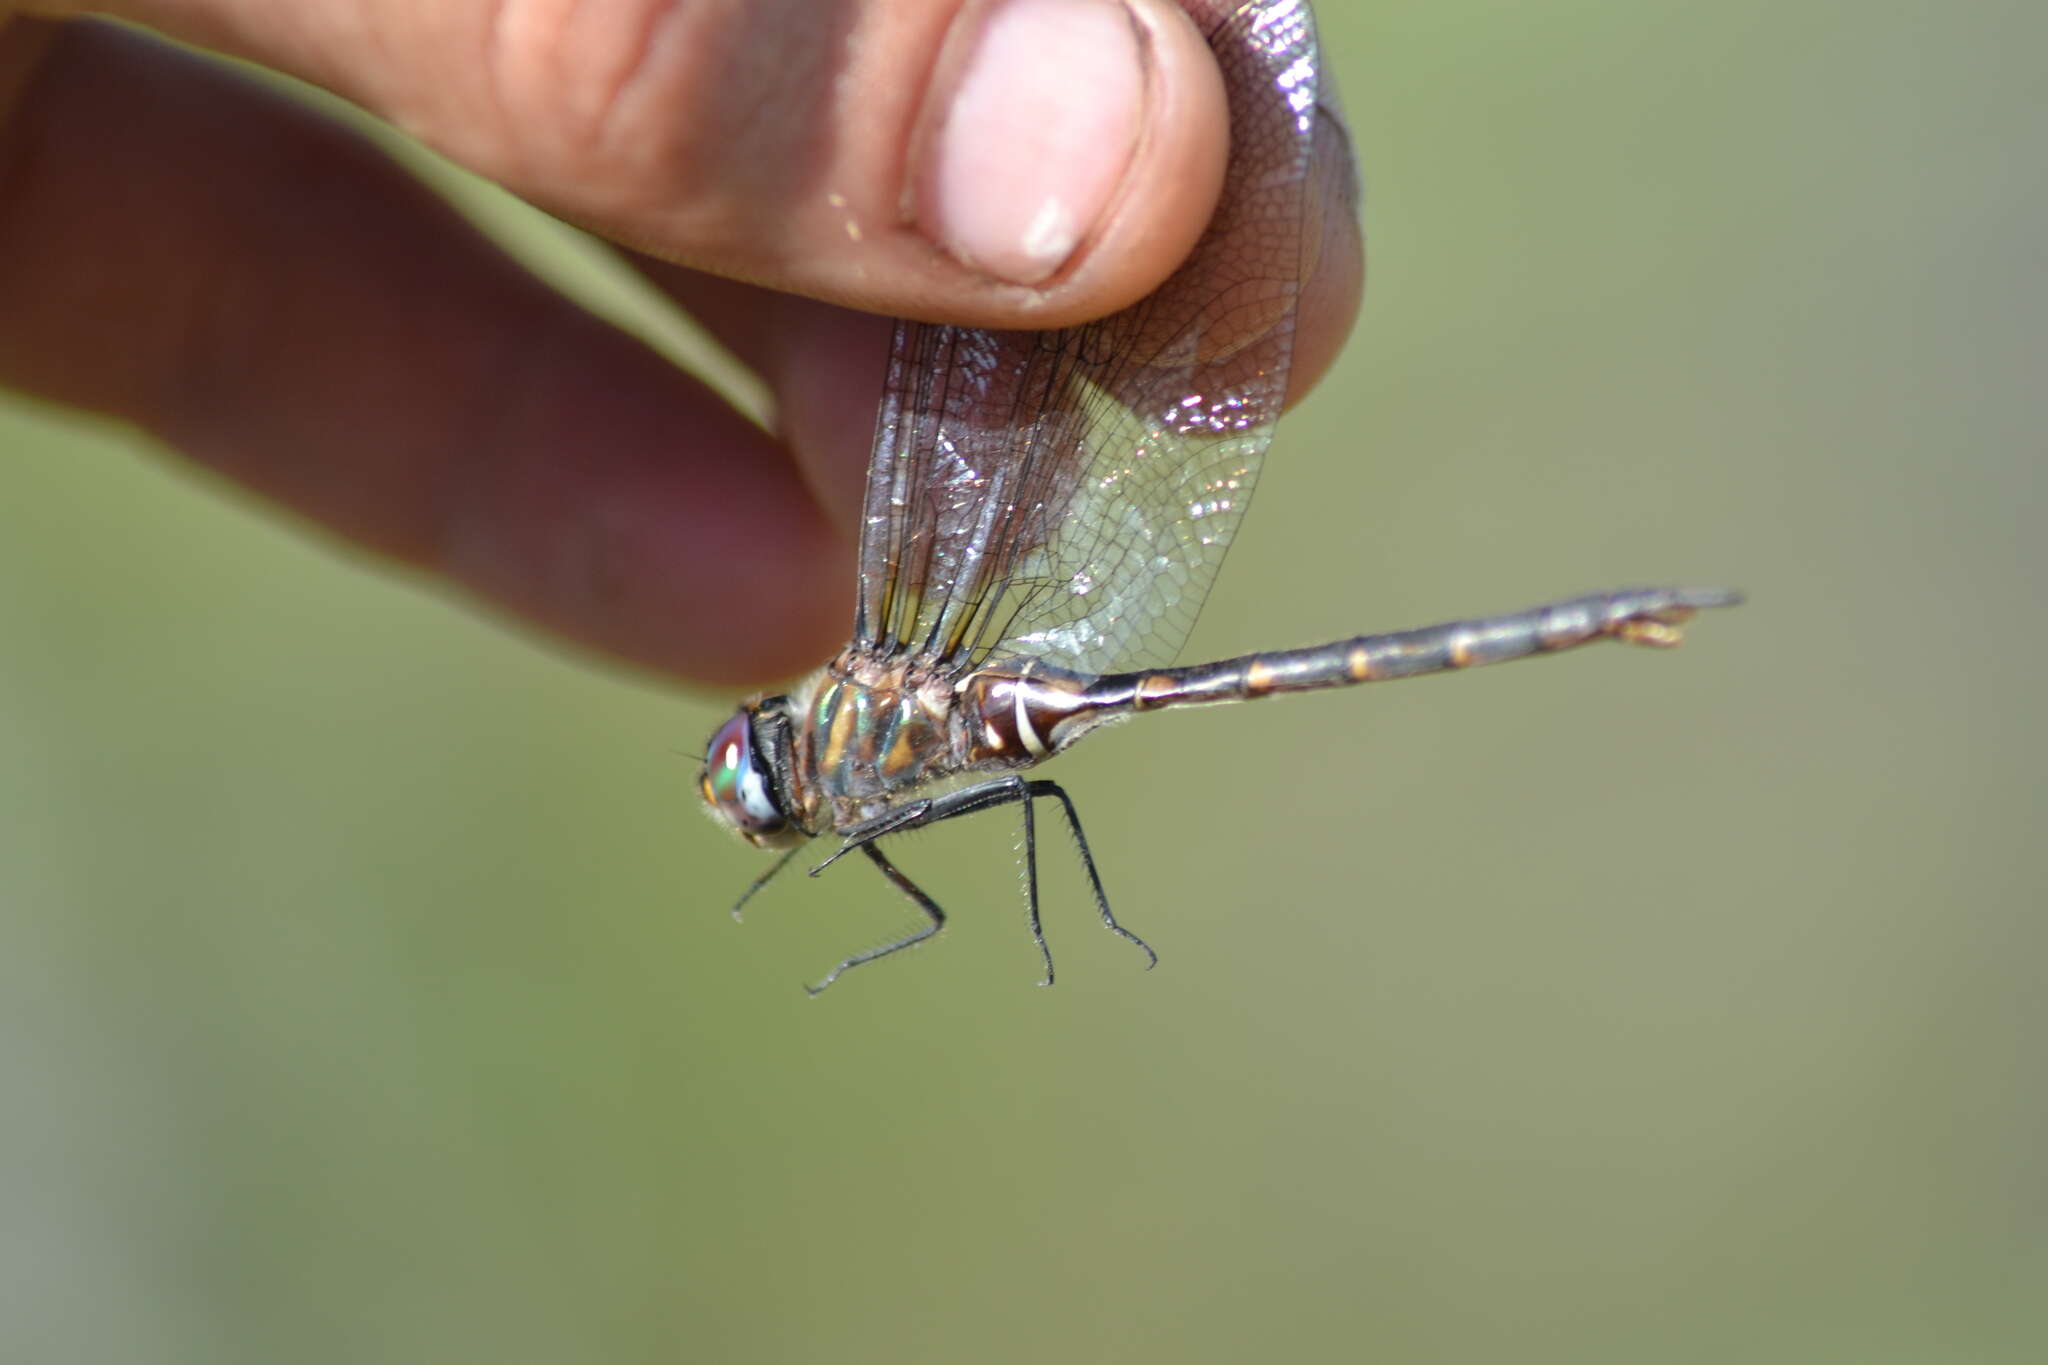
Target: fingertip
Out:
[1069,157]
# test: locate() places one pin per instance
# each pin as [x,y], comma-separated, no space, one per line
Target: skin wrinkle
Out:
[688,119]
[758,77]
[556,93]
[655,103]
[494,58]
[381,38]
[710,167]
[444,117]
[657,37]
[909,147]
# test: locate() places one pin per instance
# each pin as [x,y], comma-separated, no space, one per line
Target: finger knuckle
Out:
[680,105]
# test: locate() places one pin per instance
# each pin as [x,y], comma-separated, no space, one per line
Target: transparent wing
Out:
[1069,495]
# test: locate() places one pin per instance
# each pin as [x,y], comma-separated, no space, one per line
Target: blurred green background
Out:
[369,992]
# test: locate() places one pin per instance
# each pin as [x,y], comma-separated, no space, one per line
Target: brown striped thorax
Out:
[858,735]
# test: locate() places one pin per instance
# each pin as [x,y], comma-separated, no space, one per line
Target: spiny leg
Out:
[999,791]
[762,881]
[908,888]
[1031,888]
[904,817]
[1046,787]
[1004,790]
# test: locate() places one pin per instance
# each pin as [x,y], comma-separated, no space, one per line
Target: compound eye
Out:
[734,784]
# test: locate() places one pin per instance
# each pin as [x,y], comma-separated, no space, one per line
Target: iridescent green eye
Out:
[726,760]
[736,787]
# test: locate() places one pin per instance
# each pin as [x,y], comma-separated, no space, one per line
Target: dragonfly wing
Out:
[1069,495]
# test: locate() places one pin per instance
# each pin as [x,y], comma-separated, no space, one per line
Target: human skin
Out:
[266,294]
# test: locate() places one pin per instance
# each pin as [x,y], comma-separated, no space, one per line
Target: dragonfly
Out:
[1044,515]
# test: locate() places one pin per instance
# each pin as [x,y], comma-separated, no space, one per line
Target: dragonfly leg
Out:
[1045,787]
[1004,790]
[936,916]
[889,822]
[1031,888]
[1001,791]
[762,881]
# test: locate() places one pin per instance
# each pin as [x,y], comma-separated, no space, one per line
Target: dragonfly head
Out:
[739,787]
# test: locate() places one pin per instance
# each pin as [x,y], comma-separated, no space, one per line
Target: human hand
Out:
[267,294]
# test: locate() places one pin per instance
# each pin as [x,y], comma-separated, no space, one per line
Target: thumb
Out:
[1002,163]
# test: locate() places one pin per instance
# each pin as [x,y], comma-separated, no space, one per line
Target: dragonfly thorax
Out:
[870,731]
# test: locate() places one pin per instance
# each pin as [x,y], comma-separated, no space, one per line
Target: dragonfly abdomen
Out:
[1642,616]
